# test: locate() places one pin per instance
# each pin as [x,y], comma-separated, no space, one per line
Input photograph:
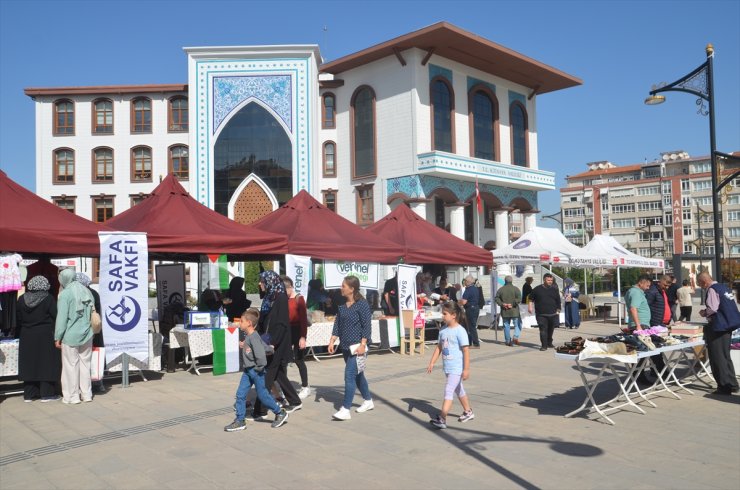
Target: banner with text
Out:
[124,297]
[170,285]
[298,268]
[335,272]
[406,295]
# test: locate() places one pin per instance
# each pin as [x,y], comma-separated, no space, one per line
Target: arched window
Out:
[102,116]
[178,162]
[363,133]
[443,112]
[64,117]
[102,165]
[519,126]
[328,112]
[330,163]
[483,117]
[141,115]
[178,114]
[141,164]
[64,166]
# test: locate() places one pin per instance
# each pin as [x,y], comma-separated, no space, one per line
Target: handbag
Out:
[96,323]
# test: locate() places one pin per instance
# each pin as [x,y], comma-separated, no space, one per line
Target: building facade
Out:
[655,209]
[431,118]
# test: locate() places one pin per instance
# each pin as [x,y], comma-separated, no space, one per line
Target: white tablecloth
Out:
[9,358]
[199,341]
[319,334]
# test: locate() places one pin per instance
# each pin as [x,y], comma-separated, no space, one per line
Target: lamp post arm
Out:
[695,83]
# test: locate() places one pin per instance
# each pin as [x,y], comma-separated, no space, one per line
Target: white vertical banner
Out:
[298,268]
[406,296]
[124,294]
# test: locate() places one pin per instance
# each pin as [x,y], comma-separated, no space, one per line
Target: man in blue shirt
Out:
[637,305]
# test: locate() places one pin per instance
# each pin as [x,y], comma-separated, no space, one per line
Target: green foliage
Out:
[252,275]
[730,270]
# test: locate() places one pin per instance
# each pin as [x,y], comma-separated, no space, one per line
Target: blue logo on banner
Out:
[125,315]
[522,244]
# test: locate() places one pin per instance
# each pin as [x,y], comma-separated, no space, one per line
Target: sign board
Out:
[335,272]
[170,285]
[124,294]
[298,268]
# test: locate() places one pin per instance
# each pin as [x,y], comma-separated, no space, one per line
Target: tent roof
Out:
[178,226]
[32,226]
[619,256]
[545,245]
[426,243]
[316,231]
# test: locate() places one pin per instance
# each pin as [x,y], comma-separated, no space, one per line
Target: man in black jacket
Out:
[659,302]
[545,298]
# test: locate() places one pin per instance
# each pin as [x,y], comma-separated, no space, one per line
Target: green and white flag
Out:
[218,272]
[225,350]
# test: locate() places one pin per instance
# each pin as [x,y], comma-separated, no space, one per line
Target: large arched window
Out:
[64,166]
[330,159]
[141,115]
[102,116]
[443,113]
[178,162]
[64,117]
[363,133]
[328,111]
[178,114]
[252,141]
[483,117]
[102,165]
[141,164]
[519,137]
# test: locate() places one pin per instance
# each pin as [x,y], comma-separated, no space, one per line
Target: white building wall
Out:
[83,142]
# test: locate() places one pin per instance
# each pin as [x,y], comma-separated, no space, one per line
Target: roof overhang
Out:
[456,44]
[107,89]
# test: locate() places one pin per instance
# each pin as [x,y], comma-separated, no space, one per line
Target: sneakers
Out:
[255,416]
[543,349]
[366,405]
[342,414]
[235,426]
[516,341]
[292,408]
[280,419]
[71,402]
[48,399]
[468,415]
[28,400]
[439,422]
[304,393]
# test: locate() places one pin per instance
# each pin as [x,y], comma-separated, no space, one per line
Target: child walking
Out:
[454,348]
[255,360]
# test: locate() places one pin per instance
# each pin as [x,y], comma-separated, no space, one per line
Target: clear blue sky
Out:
[618,48]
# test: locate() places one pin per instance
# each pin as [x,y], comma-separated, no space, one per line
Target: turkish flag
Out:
[477,197]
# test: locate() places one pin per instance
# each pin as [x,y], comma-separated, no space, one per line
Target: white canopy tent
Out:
[618,256]
[546,246]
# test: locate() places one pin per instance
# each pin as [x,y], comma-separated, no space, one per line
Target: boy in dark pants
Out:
[255,360]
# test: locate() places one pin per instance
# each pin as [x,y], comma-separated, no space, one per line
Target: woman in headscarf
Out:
[73,335]
[274,327]
[39,363]
[236,301]
[97,340]
[570,295]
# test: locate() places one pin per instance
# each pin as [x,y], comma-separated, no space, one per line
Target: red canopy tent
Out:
[425,243]
[180,228]
[316,231]
[33,226]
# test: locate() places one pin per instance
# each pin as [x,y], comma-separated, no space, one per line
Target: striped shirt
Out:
[352,324]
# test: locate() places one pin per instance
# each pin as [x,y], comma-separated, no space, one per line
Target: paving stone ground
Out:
[168,432]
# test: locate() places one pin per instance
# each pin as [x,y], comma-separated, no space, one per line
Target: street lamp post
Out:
[700,83]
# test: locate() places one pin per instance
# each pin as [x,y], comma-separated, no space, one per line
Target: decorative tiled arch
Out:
[419,186]
[221,85]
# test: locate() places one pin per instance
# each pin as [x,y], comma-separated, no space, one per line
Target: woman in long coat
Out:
[570,300]
[39,362]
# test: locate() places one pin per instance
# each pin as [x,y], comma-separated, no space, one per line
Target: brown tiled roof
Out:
[606,171]
[456,44]
[107,89]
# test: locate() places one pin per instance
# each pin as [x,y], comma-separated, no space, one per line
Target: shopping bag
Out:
[97,363]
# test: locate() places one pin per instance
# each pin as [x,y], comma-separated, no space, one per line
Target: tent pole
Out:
[619,298]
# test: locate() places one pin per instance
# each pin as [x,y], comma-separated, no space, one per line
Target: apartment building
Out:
[655,209]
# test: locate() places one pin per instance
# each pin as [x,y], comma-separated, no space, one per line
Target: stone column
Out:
[530,222]
[501,223]
[457,219]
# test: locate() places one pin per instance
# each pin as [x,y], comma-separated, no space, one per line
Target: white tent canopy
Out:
[547,246]
[607,246]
